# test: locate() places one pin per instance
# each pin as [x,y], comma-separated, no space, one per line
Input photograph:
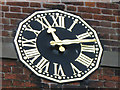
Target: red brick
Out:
[15,9]
[26,71]
[93,77]
[0,62]
[108,71]
[33,4]
[93,23]
[114,37]
[118,85]
[95,84]
[110,84]
[106,11]
[109,78]
[2,75]
[6,69]
[116,25]
[3,14]
[18,83]
[29,84]
[105,30]
[118,31]
[9,63]
[10,76]
[15,15]
[71,8]
[90,4]
[107,5]
[118,19]
[2,3]
[74,83]
[105,24]
[19,64]
[46,81]
[89,10]
[104,36]
[116,12]
[102,17]
[99,71]
[75,3]
[16,76]
[5,33]
[79,14]
[54,6]
[6,82]
[87,16]
[1,28]
[28,10]
[5,8]
[9,27]
[22,77]
[15,21]
[5,21]
[17,70]
[24,4]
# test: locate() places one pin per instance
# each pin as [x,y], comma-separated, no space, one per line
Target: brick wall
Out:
[16,75]
[103,17]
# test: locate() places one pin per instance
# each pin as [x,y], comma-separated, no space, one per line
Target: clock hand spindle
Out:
[55,37]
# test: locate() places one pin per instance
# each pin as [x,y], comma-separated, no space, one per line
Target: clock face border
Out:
[53,79]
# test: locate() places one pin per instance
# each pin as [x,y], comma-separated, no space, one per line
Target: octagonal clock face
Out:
[58,46]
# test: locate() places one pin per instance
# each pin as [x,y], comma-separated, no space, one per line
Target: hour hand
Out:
[75,41]
[52,31]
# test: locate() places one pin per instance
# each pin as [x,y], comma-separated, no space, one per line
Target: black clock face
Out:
[58,46]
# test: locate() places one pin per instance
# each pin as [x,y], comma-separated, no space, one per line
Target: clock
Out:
[58,46]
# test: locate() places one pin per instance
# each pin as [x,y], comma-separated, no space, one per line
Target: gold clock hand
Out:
[55,37]
[52,31]
[75,41]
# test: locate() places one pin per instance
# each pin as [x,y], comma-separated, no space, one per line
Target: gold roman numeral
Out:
[43,63]
[73,24]
[88,48]
[84,35]
[29,42]
[85,60]
[32,53]
[58,70]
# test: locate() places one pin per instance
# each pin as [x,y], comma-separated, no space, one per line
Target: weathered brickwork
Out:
[16,75]
[104,17]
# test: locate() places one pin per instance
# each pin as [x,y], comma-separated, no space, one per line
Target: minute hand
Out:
[67,41]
